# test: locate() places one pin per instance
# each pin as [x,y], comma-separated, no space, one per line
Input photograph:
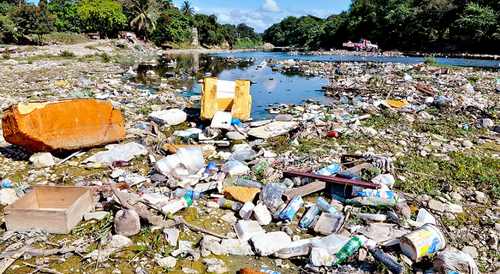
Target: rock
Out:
[321,257]
[98,215]
[237,247]
[283,117]
[262,214]
[62,125]
[210,244]
[480,197]
[127,222]
[268,243]
[171,235]
[467,144]
[241,193]
[437,205]
[456,196]
[229,218]
[236,136]
[171,117]
[472,251]
[119,241]
[486,123]
[7,196]
[42,159]
[215,266]
[246,229]
[166,262]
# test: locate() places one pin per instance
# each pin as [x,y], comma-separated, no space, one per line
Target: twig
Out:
[69,157]
[42,269]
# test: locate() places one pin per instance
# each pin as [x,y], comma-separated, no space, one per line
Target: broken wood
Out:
[305,190]
[425,89]
[331,179]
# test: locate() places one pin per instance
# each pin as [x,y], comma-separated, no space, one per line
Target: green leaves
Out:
[103,16]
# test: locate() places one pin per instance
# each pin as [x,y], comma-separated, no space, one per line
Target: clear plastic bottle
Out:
[349,249]
[181,192]
[248,183]
[228,204]
[326,207]
[176,205]
[309,217]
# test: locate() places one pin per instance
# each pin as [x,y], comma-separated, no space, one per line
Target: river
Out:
[272,88]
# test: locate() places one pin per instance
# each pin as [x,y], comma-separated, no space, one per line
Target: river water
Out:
[272,88]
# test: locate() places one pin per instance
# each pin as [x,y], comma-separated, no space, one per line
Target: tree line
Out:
[414,25]
[155,20]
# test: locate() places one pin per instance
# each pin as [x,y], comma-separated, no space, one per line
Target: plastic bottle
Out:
[386,260]
[228,204]
[180,192]
[349,249]
[247,183]
[309,217]
[261,167]
[6,183]
[174,206]
[211,169]
[330,170]
[326,207]
[383,194]
[291,209]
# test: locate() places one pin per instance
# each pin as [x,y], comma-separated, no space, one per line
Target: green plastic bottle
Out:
[349,249]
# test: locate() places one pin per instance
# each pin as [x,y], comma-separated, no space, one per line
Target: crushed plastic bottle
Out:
[181,192]
[211,169]
[308,218]
[388,261]
[272,195]
[247,183]
[349,249]
[228,204]
[330,170]
[6,183]
[326,207]
[291,209]
[176,205]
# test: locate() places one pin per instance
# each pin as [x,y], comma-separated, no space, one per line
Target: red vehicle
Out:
[363,45]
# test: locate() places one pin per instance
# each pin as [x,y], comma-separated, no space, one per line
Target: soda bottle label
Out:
[292,208]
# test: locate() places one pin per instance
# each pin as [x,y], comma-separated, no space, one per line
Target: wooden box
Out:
[53,209]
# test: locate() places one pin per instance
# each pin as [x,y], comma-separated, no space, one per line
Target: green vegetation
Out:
[429,173]
[433,25]
[62,21]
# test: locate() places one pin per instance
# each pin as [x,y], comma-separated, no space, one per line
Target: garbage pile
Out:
[179,189]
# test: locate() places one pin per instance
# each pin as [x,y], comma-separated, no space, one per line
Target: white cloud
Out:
[270,6]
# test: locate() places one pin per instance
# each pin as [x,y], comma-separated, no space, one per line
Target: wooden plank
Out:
[305,190]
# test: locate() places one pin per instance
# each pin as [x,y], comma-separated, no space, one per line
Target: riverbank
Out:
[441,155]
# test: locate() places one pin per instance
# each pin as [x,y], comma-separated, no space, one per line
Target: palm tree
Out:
[187,9]
[145,15]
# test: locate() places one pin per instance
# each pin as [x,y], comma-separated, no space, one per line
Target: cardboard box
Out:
[55,209]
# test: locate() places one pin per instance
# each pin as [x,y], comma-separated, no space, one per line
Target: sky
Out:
[260,14]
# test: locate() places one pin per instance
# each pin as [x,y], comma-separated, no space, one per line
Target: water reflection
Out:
[268,87]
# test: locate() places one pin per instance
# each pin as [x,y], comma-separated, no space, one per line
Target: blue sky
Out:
[260,14]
